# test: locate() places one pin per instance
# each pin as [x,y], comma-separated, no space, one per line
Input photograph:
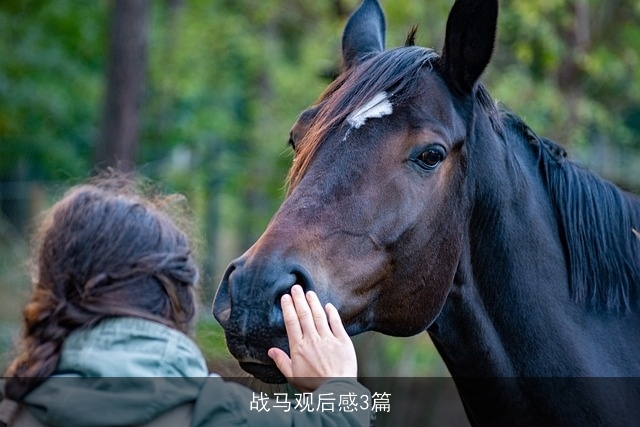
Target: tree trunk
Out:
[118,140]
[577,41]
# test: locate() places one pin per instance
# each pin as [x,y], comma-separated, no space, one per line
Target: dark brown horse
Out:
[415,204]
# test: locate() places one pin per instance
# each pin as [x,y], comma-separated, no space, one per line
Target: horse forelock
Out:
[596,220]
[395,72]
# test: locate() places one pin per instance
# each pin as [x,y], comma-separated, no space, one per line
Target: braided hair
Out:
[102,251]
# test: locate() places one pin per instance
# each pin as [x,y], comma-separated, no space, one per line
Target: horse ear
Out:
[364,33]
[469,42]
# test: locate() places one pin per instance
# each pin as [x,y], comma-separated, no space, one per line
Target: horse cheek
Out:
[431,248]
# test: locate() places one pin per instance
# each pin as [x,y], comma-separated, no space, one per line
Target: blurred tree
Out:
[126,65]
[50,86]
[571,69]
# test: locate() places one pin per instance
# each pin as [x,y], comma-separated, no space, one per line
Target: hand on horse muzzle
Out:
[320,347]
[251,315]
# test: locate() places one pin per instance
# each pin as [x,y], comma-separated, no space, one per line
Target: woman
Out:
[114,303]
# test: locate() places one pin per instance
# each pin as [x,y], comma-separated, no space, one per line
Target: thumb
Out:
[282,360]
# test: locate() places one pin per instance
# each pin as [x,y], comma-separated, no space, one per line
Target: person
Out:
[108,330]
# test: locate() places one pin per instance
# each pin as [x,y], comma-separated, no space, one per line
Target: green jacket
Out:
[130,371]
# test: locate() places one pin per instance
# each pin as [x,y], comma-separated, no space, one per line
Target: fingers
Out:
[302,311]
[319,316]
[303,314]
[335,322]
[309,311]
[282,361]
[319,345]
[291,322]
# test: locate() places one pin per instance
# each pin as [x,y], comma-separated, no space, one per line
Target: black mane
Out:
[595,219]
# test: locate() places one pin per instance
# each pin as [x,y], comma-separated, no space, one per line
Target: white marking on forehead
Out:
[378,107]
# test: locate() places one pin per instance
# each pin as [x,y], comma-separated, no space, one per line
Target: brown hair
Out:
[102,251]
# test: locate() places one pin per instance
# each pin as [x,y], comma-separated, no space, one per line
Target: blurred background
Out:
[199,96]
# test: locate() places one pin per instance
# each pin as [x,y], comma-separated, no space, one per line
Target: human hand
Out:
[319,349]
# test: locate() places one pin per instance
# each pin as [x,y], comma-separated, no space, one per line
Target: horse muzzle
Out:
[247,305]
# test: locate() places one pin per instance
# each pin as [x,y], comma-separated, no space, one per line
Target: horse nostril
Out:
[283,286]
[297,277]
[303,279]
[221,308]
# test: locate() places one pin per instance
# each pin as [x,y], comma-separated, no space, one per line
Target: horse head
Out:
[378,202]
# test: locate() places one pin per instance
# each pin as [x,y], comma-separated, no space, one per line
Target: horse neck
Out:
[509,312]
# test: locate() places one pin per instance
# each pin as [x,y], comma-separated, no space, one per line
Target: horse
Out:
[416,203]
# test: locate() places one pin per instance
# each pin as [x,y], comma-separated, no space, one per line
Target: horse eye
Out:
[431,157]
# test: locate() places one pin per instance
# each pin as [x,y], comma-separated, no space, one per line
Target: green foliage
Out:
[14,283]
[210,338]
[226,79]
[235,74]
[570,68]
[51,61]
